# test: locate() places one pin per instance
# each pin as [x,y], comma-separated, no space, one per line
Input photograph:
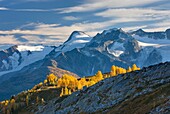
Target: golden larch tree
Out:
[134,67]
[99,76]
[51,79]
[129,69]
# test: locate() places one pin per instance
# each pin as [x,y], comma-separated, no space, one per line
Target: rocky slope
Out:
[139,92]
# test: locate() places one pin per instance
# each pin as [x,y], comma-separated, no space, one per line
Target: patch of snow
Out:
[37,53]
[21,48]
[15,59]
[77,40]
[145,41]
[117,49]
[79,35]
[109,31]
[162,45]
[5,64]
[143,44]
[35,56]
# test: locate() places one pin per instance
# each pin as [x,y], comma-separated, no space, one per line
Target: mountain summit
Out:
[77,39]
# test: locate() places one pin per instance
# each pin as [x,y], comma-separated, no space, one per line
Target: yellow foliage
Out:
[112,73]
[83,81]
[113,68]
[134,67]
[59,82]
[91,83]
[79,85]
[66,91]
[40,84]
[62,92]
[51,78]
[45,81]
[6,102]
[67,81]
[69,91]
[129,69]
[99,76]
[72,84]
[12,101]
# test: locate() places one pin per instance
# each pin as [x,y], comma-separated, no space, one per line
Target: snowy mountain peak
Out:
[77,39]
[111,35]
[110,30]
[77,34]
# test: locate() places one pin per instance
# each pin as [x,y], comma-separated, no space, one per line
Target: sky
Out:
[50,22]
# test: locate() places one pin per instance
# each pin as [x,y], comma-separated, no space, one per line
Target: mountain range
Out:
[82,55]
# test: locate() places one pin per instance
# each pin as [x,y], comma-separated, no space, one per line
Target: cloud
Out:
[133,28]
[132,12]
[8,39]
[135,13]
[93,5]
[3,8]
[33,10]
[28,10]
[34,39]
[159,26]
[62,31]
[150,18]
[70,18]
[54,34]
